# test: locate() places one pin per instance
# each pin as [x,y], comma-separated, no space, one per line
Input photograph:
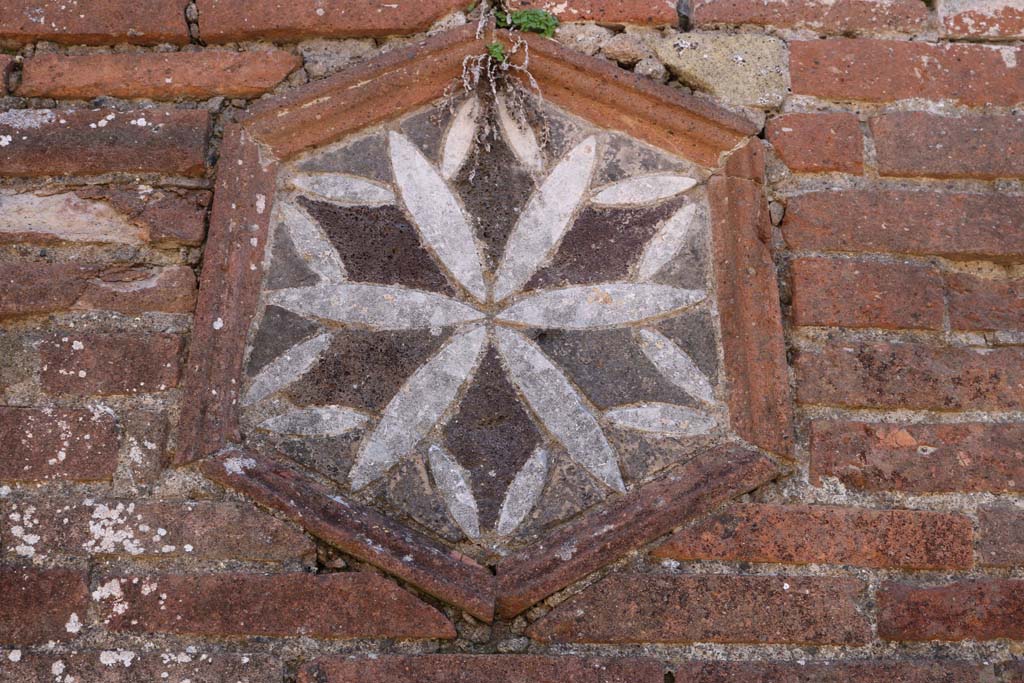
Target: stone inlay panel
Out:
[484,319]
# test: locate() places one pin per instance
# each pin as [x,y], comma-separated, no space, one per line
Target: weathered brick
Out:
[32,288]
[102,22]
[816,143]
[911,375]
[233,20]
[110,363]
[919,458]
[908,671]
[713,608]
[921,144]
[103,141]
[138,290]
[131,666]
[38,604]
[482,669]
[64,217]
[156,75]
[818,534]
[983,609]
[167,217]
[200,530]
[343,606]
[847,293]
[887,70]
[1000,536]
[954,225]
[840,17]
[992,20]
[640,12]
[977,303]
[39,444]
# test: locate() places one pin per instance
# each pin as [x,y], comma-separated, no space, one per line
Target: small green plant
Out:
[533,20]
[496,51]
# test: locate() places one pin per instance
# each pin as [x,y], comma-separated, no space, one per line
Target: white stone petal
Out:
[523,492]
[676,365]
[666,243]
[520,137]
[311,243]
[591,306]
[452,480]
[437,214]
[558,405]
[286,368]
[317,421]
[545,219]
[418,405]
[459,140]
[345,190]
[661,418]
[643,189]
[379,307]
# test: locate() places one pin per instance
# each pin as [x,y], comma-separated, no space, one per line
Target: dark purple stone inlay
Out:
[367,157]
[491,436]
[379,244]
[279,330]
[694,332]
[287,269]
[364,369]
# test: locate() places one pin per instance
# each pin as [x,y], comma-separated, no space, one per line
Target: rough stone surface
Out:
[156,76]
[987,20]
[111,363]
[482,669]
[1000,535]
[43,444]
[919,458]
[39,603]
[811,534]
[638,608]
[94,141]
[333,606]
[741,69]
[982,609]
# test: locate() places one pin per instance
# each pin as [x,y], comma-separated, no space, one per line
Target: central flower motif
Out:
[490,312]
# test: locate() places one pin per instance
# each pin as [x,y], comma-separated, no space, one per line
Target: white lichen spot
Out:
[218,323]
[115,657]
[14,655]
[261,204]
[238,465]
[74,624]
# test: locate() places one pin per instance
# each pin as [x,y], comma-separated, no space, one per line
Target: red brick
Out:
[132,666]
[977,303]
[482,669]
[909,671]
[984,609]
[223,21]
[169,217]
[1000,536]
[110,363]
[103,141]
[995,20]
[710,608]
[751,319]
[816,143]
[138,290]
[842,17]
[640,12]
[954,225]
[156,75]
[39,603]
[847,293]
[911,375]
[889,70]
[198,530]
[818,534]
[344,606]
[920,144]
[57,443]
[101,22]
[30,288]
[919,458]
[608,533]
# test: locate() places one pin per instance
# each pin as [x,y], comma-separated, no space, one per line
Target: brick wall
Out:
[892,549]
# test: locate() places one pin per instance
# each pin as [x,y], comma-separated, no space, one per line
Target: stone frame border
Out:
[384,88]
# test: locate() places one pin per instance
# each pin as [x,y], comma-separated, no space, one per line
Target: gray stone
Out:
[651,67]
[324,57]
[626,48]
[746,69]
[585,38]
